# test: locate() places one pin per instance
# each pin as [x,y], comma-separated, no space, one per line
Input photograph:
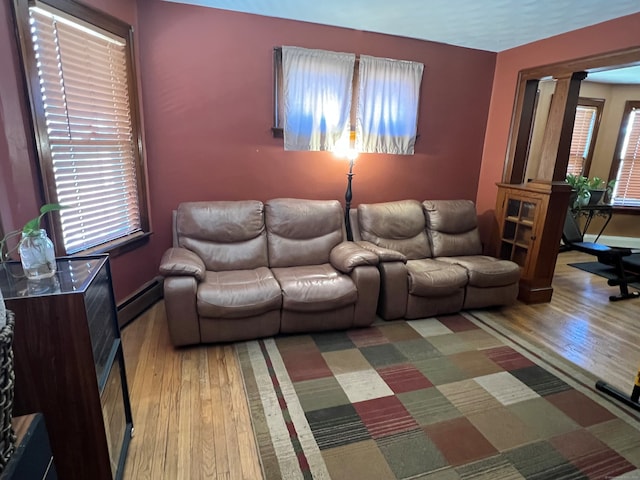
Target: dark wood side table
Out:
[69,364]
[32,458]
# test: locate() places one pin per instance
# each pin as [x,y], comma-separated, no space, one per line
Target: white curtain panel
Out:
[317,88]
[388,95]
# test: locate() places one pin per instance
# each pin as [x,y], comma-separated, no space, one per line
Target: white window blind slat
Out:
[91,106]
[77,133]
[84,87]
[76,224]
[83,92]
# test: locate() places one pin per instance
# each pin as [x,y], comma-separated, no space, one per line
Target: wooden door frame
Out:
[524,111]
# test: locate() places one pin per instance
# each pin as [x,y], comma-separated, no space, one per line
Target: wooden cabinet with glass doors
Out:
[518,236]
[530,218]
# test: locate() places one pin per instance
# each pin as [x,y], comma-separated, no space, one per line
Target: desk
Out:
[590,211]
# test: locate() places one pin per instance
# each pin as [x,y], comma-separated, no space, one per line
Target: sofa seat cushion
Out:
[315,288]
[485,272]
[431,278]
[238,293]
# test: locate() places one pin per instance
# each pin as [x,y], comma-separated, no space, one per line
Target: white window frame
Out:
[629,153]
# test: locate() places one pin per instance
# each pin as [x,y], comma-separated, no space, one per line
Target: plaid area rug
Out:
[437,399]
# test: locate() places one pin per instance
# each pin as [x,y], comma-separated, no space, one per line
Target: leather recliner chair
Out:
[431,258]
[243,269]
[452,226]
[413,283]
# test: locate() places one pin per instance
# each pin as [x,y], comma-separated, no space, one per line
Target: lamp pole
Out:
[347,201]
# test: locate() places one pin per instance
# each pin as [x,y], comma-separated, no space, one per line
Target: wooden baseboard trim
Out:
[139,301]
[530,295]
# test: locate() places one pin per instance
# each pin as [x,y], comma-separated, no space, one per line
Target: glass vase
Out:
[37,255]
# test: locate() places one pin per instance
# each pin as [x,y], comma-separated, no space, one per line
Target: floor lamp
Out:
[346,148]
[347,198]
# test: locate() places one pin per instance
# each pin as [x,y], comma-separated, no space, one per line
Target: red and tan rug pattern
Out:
[440,399]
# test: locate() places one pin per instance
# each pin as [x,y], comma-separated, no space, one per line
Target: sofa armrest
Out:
[182,262]
[383,254]
[347,255]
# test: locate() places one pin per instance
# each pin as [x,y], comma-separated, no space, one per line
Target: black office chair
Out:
[573,240]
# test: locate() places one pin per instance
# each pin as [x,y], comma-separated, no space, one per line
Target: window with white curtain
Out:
[321,96]
[317,90]
[84,108]
[388,94]
[626,166]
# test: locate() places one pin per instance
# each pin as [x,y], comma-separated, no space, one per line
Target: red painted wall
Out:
[208,84]
[207,87]
[605,37]
[17,162]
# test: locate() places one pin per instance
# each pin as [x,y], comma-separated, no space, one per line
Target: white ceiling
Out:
[492,25]
[625,75]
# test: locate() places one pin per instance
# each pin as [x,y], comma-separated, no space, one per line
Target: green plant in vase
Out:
[588,191]
[581,193]
[599,188]
[36,250]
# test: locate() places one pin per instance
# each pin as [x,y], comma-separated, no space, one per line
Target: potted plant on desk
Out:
[580,193]
[599,191]
[587,191]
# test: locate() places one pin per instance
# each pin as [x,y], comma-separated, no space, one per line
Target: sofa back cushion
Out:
[397,225]
[302,232]
[227,235]
[453,227]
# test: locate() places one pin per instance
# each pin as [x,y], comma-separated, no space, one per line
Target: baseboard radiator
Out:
[139,301]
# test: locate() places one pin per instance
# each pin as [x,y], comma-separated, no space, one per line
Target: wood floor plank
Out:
[191,416]
[186,436]
[144,360]
[216,365]
[204,422]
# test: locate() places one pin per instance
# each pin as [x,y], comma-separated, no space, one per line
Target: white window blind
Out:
[84,89]
[581,139]
[627,188]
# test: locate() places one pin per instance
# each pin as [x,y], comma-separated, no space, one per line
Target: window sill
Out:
[119,246]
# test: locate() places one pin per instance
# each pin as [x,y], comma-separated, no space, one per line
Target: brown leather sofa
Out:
[431,258]
[243,269]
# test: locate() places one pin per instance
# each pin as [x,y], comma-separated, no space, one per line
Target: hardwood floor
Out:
[189,410]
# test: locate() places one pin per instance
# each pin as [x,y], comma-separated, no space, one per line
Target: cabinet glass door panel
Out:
[509,230]
[520,255]
[524,234]
[506,249]
[527,211]
[513,208]
[102,322]
[114,414]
